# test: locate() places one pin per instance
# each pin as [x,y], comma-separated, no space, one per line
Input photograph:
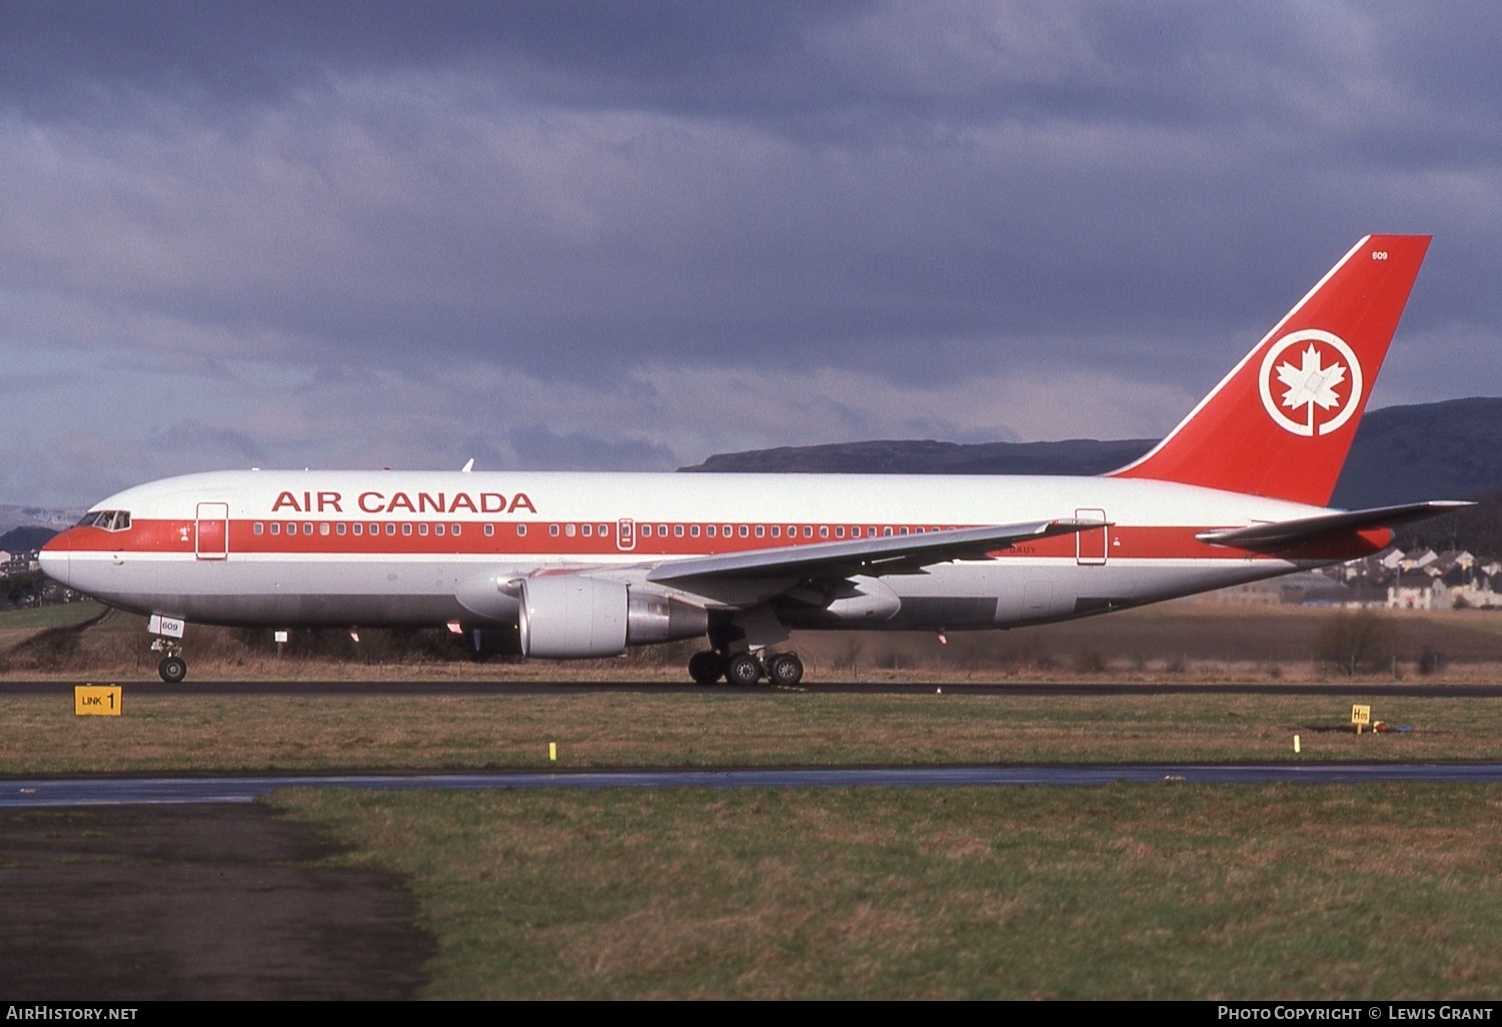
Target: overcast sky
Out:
[628,235]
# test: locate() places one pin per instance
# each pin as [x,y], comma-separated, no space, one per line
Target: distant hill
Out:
[21,540]
[37,517]
[1448,450]
[1074,456]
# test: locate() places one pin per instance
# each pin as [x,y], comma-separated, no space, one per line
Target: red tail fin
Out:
[1280,424]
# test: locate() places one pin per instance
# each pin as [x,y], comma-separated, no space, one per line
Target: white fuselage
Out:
[288,548]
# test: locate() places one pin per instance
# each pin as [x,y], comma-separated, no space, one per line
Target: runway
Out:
[156,791]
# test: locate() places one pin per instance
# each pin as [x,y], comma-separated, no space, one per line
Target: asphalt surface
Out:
[159,791]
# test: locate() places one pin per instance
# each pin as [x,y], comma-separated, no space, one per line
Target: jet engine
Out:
[576,616]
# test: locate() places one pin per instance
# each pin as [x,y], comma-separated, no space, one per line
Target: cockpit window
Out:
[109,520]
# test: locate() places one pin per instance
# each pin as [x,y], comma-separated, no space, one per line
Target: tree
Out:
[1353,642]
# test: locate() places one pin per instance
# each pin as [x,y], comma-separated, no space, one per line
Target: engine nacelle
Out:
[572,616]
[491,597]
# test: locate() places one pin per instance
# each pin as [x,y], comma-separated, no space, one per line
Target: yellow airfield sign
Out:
[96,700]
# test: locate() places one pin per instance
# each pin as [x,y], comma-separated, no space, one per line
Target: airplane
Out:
[585,565]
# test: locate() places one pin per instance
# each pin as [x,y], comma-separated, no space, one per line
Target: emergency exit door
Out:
[1090,544]
[211,540]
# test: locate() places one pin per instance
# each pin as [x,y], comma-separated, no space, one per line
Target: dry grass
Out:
[1119,892]
[1172,641]
[39,734]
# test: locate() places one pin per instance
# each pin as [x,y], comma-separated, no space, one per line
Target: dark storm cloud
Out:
[608,234]
[539,447]
[207,441]
[57,54]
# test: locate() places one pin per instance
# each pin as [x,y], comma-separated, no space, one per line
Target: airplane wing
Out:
[1301,530]
[899,554]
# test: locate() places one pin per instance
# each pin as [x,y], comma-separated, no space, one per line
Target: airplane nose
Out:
[53,558]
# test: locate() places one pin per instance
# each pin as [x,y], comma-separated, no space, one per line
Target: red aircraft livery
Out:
[584,565]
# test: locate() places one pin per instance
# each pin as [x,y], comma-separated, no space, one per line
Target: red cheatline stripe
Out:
[159,536]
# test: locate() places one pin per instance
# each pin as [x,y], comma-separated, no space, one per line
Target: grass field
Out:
[1164,892]
[40,734]
[18,625]
[1172,641]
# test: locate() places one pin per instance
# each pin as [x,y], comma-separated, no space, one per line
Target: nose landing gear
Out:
[172,668]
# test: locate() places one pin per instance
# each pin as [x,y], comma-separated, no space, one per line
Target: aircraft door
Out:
[1091,544]
[211,541]
[625,534]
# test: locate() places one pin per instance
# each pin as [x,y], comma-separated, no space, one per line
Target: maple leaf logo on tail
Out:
[1310,385]
[1312,382]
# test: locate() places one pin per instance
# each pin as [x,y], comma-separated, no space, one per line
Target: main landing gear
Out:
[173,668]
[745,668]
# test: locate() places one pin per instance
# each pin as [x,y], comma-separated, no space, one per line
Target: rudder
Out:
[1281,423]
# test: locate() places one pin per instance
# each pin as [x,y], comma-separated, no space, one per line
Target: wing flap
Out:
[1301,530]
[876,556]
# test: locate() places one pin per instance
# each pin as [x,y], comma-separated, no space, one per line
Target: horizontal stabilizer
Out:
[891,554]
[1297,532]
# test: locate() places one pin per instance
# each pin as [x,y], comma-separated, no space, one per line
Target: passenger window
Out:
[553,530]
[569,530]
[808,531]
[678,530]
[823,531]
[391,527]
[258,528]
[422,529]
[276,527]
[839,531]
[760,530]
[693,530]
[358,528]
[709,530]
[406,527]
[588,530]
[745,531]
[323,528]
[340,528]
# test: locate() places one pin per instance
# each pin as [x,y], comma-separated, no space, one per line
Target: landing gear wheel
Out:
[706,668]
[785,669]
[172,669]
[743,669]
